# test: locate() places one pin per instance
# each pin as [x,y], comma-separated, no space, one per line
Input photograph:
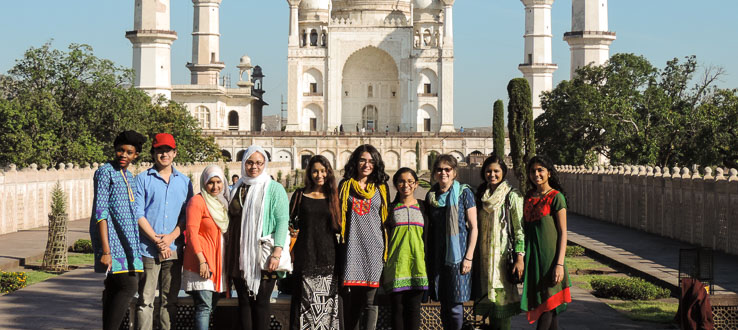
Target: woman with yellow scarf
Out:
[363,200]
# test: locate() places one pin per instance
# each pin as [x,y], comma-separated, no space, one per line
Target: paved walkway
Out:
[73,300]
[17,249]
[651,256]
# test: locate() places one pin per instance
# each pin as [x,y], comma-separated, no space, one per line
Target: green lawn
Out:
[74,259]
[652,311]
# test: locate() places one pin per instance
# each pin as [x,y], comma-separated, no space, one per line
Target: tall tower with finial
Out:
[537,66]
[589,39]
[206,65]
[152,47]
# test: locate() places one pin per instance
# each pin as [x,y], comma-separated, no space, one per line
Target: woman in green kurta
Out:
[500,206]
[546,286]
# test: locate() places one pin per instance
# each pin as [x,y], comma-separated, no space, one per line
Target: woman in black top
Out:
[314,212]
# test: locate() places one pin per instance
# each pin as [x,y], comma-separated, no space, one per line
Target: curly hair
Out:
[351,170]
[553,180]
[329,188]
[492,159]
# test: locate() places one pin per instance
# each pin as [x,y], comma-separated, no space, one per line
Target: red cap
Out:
[164,139]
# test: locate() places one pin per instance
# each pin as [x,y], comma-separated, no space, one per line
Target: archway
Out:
[226,154]
[373,67]
[233,120]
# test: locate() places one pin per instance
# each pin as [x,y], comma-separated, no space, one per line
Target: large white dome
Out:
[315,4]
[427,4]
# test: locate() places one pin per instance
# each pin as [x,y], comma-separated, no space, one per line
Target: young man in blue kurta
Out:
[161,198]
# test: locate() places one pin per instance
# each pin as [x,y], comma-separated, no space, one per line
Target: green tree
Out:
[520,128]
[417,156]
[498,129]
[68,106]
[631,112]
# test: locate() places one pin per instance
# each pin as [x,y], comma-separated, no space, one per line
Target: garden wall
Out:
[25,194]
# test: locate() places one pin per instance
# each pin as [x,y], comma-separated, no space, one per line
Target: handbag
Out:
[510,254]
[267,245]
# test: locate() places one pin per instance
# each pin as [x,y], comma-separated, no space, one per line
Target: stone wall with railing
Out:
[25,194]
[697,206]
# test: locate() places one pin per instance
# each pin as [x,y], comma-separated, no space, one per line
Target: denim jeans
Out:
[205,302]
[168,276]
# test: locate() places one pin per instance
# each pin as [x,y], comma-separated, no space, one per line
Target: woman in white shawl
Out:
[258,207]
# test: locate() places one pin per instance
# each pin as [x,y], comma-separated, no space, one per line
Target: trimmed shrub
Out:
[12,281]
[520,129]
[574,251]
[498,129]
[626,288]
[82,246]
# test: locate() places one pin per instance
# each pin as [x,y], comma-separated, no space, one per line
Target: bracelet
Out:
[202,263]
[560,265]
[276,257]
[465,258]
[106,254]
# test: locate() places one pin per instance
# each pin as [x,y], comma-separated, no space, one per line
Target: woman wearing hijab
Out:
[207,222]
[258,207]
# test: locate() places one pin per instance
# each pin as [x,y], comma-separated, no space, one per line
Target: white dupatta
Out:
[252,219]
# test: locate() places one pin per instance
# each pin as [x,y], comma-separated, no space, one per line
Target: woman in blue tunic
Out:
[114,229]
[452,236]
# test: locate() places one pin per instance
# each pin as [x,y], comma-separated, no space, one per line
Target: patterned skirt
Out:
[316,304]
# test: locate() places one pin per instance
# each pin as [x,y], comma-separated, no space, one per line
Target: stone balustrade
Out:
[696,206]
[25,194]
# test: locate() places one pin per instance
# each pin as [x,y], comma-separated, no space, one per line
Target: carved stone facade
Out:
[371,65]
[397,149]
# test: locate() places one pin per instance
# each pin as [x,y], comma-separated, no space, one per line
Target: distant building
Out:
[372,63]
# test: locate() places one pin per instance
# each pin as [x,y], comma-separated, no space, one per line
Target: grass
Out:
[81,259]
[583,263]
[425,184]
[74,259]
[35,276]
[650,311]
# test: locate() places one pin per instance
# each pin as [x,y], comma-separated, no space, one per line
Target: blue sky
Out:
[488,39]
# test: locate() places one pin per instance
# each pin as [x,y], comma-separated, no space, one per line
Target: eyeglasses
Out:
[252,163]
[406,183]
[363,161]
[444,169]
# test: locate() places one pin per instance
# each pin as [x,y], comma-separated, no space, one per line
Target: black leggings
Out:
[548,321]
[355,300]
[406,310]
[117,295]
[254,312]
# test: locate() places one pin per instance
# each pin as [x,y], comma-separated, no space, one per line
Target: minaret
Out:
[447,68]
[152,47]
[293,119]
[537,67]
[589,39]
[206,65]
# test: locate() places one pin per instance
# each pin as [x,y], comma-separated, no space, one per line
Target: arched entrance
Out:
[370,90]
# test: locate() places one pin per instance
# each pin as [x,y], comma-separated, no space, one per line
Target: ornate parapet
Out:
[25,193]
[695,205]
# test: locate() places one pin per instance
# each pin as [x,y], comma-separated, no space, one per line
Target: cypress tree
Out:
[520,129]
[498,129]
[417,156]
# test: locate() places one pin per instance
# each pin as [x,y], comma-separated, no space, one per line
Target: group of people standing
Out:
[351,240]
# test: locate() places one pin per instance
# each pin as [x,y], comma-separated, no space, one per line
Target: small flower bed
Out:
[626,288]
[12,281]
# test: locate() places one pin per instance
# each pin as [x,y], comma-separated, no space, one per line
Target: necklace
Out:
[131,197]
